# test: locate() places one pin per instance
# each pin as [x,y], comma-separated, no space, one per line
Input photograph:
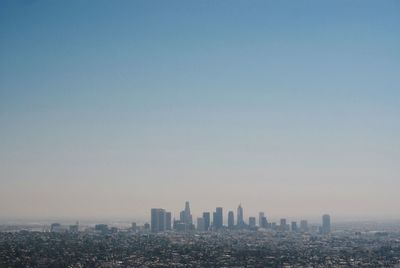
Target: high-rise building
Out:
[206,217]
[189,219]
[168,221]
[264,222]
[240,221]
[158,220]
[326,224]
[182,216]
[185,215]
[303,225]
[214,219]
[252,222]
[218,218]
[283,225]
[231,219]
[154,219]
[200,224]
[185,219]
[260,218]
[294,226]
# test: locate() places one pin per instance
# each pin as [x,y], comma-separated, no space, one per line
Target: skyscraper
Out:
[185,218]
[260,217]
[154,220]
[200,224]
[240,221]
[252,222]
[168,221]
[294,226]
[303,225]
[158,220]
[214,219]
[218,219]
[326,224]
[185,215]
[231,219]
[187,212]
[263,222]
[283,226]
[206,217]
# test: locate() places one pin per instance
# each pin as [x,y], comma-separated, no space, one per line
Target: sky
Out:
[110,108]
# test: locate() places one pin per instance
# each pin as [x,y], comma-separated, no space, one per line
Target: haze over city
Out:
[111,108]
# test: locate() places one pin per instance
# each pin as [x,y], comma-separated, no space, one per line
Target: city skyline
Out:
[199,133]
[110,108]
[160,222]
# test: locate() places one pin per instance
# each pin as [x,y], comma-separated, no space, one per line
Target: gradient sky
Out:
[109,108]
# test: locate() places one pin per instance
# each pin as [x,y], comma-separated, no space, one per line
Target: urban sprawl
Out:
[167,242]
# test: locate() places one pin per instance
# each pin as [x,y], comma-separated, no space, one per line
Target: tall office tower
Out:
[185,218]
[162,220]
[326,224]
[252,222]
[231,219]
[214,219]
[283,226]
[206,217]
[200,224]
[218,219]
[303,225]
[294,226]
[264,222]
[182,216]
[168,221]
[154,220]
[260,217]
[240,221]
[185,215]
[158,220]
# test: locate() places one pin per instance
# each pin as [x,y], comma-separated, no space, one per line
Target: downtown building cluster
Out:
[161,221]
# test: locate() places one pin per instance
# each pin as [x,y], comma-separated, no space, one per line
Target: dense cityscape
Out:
[168,242]
[178,133]
[161,221]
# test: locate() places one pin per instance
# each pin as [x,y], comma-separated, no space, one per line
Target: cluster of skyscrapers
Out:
[161,221]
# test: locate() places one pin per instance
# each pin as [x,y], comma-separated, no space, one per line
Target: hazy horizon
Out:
[313,219]
[110,108]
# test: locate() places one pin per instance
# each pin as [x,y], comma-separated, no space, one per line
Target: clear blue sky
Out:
[108,108]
